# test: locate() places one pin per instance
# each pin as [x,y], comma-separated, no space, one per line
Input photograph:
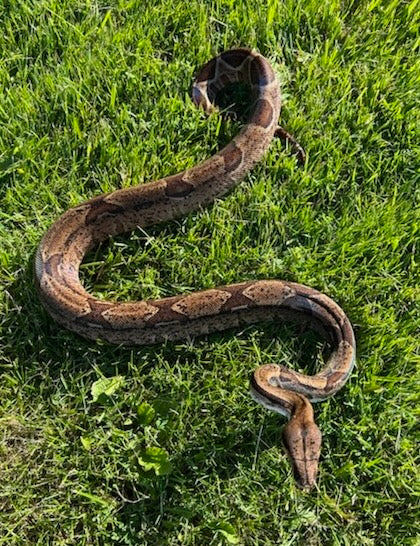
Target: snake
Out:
[79,229]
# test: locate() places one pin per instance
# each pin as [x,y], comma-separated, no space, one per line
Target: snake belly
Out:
[65,244]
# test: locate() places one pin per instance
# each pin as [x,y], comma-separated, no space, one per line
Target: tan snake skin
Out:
[143,322]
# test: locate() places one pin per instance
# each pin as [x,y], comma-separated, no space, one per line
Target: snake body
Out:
[63,247]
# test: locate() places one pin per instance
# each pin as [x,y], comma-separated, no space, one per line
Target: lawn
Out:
[95,96]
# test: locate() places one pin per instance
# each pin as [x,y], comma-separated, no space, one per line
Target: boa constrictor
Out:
[144,322]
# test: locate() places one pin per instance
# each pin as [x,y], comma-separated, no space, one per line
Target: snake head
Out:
[302,440]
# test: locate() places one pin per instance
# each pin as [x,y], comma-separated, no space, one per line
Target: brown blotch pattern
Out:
[130,314]
[96,309]
[237,299]
[289,377]
[268,293]
[260,72]
[176,186]
[52,265]
[201,305]
[98,208]
[232,156]
[236,57]
[263,113]
[207,72]
[165,312]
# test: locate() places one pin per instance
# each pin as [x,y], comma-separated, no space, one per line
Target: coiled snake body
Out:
[143,322]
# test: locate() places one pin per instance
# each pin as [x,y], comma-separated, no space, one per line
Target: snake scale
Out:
[63,247]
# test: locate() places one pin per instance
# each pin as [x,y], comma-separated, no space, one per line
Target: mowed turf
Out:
[104,445]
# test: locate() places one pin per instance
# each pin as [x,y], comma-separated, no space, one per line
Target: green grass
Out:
[94,96]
